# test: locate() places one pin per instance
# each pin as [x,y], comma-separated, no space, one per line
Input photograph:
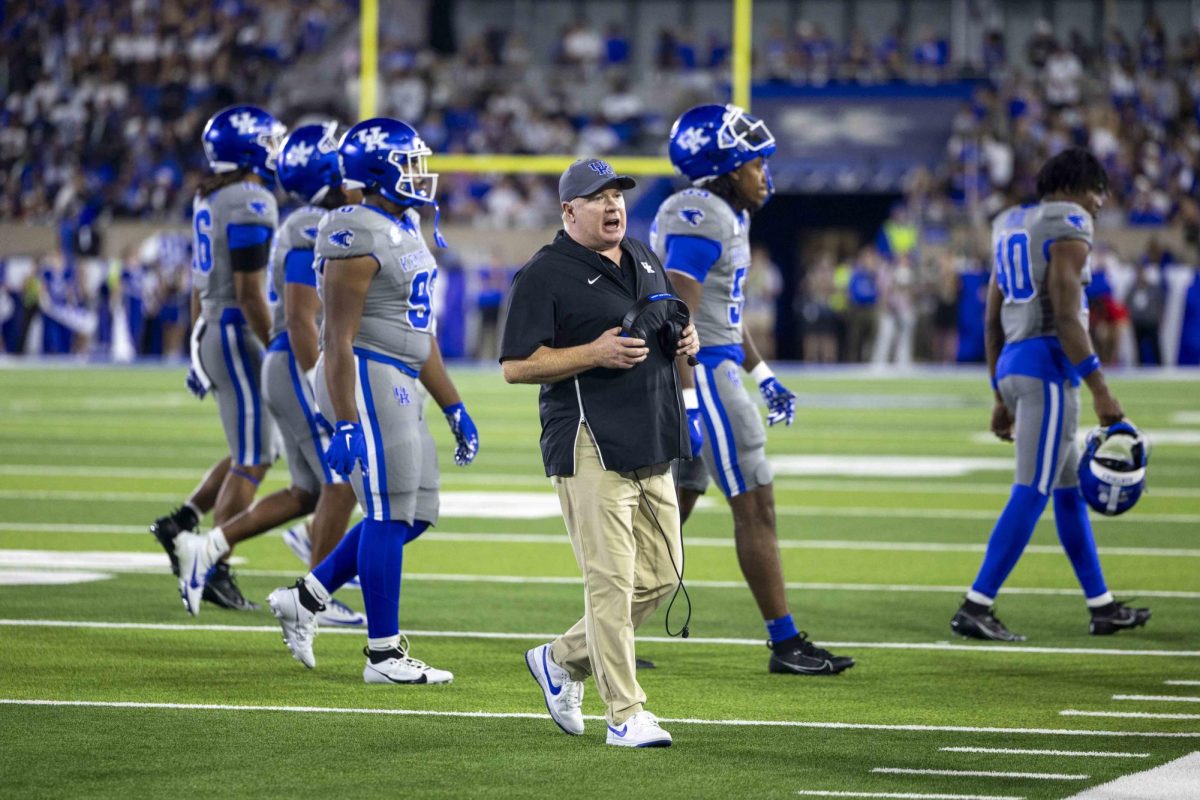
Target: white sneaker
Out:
[564,697]
[296,538]
[640,730]
[338,613]
[298,623]
[194,563]
[402,669]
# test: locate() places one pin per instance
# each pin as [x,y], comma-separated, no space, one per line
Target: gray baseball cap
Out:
[588,176]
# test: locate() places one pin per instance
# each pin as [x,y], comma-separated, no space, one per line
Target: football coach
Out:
[613,420]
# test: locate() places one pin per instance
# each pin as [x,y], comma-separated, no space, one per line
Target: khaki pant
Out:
[626,567]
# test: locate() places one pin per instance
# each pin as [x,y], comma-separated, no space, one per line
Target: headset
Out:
[662,314]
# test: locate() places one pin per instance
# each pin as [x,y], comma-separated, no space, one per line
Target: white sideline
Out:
[1175,780]
[1157,698]
[737,723]
[530,636]
[979,773]
[1074,712]
[1018,751]
[907,795]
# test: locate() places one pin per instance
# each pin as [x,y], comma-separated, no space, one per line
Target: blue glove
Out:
[347,447]
[194,385]
[781,403]
[695,430]
[466,435]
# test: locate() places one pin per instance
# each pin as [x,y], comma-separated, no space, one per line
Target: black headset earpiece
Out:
[669,332]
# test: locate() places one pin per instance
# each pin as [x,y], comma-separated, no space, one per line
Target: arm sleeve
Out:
[691,255]
[530,321]
[249,247]
[298,267]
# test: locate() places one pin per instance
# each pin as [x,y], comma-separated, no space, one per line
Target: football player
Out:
[377,276]
[308,170]
[702,235]
[1038,351]
[234,215]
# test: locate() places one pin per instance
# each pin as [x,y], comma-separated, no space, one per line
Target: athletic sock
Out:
[187,516]
[380,561]
[1009,538]
[782,629]
[1075,533]
[310,599]
[342,563]
[216,544]
[380,650]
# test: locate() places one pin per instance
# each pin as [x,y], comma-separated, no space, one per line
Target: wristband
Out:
[1088,366]
[690,400]
[761,373]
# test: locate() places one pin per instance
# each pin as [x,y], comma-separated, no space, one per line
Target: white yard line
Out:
[1182,683]
[944,513]
[1157,698]
[1017,751]
[906,795]
[738,723]
[1073,712]
[531,636]
[979,773]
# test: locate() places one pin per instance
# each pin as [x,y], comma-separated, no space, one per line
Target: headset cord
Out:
[682,632]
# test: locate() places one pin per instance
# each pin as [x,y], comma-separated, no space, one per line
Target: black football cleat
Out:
[982,625]
[165,529]
[1116,616]
[799,656]
[220,590]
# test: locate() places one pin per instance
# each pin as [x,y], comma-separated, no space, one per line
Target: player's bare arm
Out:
[346,284]
[436,379]
[248,289]
[1067,259]
[1002,420]
[300,306]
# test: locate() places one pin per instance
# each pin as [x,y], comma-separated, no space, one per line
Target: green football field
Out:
[886,490]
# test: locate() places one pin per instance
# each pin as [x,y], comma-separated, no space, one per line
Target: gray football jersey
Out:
[1021,239]
[245,203]
[298,232]
[397,315]
[700,213]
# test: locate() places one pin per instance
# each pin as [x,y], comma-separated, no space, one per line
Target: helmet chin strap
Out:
[437,234]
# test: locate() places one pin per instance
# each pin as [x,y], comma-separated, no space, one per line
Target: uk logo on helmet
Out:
[341,238]
[692,140]
[244,122]
[299,155]
[372,138]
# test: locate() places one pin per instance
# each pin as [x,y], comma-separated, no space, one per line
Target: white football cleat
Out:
[404,670]
[194,563]
[338,613]
[564,697]
[640,730]
[296,538]
[298,623]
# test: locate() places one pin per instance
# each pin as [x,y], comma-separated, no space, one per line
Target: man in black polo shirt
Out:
[612,421]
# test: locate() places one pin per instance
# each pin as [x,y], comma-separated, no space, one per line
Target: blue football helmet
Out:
[710,140]
[389,157]
[308,162]
[243,137]
[1112,469]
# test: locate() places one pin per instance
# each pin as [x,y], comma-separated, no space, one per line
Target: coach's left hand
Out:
[466,435]
[689,342]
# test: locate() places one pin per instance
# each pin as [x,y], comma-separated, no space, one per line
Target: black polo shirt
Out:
[567,295]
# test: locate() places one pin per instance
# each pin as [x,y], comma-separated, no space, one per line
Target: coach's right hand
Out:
[615,351]
[347,447]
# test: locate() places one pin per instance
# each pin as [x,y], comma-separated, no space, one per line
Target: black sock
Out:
[379,656]
[307,599]
[971,607]
[185,518]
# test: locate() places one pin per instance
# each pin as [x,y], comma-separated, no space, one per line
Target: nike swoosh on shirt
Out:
[593,280]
